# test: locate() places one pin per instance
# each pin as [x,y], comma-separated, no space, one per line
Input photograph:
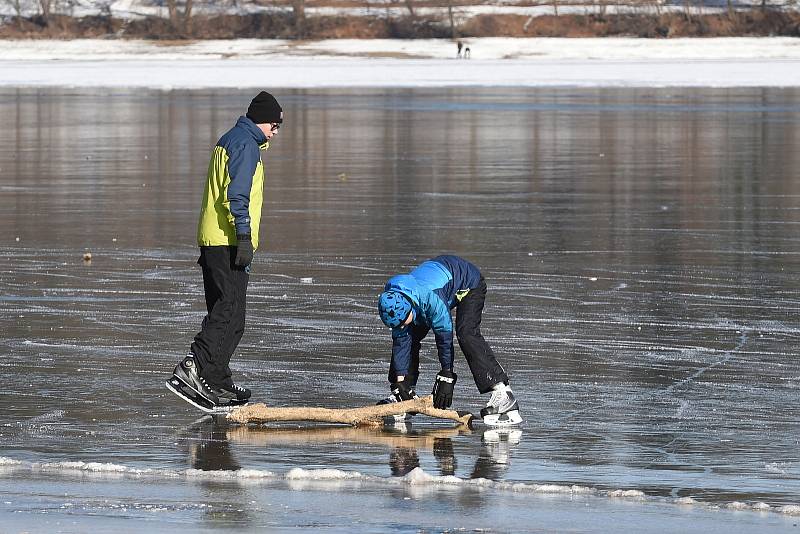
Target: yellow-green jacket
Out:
[234,190]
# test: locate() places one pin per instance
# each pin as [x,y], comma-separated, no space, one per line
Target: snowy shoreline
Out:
[534,62]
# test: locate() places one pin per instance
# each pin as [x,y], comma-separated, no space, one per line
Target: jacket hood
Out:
[251,128]
[406,285]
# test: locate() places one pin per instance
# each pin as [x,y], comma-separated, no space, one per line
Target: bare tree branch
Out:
[366,416]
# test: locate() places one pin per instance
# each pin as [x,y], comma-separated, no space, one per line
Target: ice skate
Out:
[502,408]
[399,393]
[232,394]
[187,384]
[396,419]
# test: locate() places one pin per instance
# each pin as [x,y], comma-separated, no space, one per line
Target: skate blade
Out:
[179,388]
[503,419]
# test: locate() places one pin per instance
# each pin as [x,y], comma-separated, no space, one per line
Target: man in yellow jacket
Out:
[227,234]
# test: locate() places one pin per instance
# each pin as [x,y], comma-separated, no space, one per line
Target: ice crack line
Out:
[727,356]
[697,374]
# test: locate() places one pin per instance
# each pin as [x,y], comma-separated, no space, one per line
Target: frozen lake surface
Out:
[641,250]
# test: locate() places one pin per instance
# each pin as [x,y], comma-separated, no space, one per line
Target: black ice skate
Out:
[502,408]
[396,396]
[187,384]
[396,418]
[234,394]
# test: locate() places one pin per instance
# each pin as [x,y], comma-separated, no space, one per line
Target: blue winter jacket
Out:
[434,288]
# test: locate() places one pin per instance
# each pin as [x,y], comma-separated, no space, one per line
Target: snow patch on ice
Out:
[95,467]
[627,494]
[418,476]
[322,474]
[736,505]
[244,474]
[553,488]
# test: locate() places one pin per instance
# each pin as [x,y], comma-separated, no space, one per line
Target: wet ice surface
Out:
[641,252]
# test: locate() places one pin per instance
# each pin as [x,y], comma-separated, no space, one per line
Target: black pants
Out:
[226,291]
[486,371]
[484,366]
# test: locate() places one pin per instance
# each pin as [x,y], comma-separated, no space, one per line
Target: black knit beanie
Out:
[264,108]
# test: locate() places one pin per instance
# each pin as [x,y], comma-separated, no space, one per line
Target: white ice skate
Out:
[396,419]
[502,408]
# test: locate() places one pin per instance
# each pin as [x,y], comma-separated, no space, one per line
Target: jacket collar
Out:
[250,127]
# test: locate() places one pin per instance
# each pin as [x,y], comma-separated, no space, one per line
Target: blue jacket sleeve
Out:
[241,168]
[401,351]
[444,347]
[442,325]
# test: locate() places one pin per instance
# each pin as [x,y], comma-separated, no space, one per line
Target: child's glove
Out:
[403,391]
[443,389]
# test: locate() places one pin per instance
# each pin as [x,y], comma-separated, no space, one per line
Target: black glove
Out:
[443,389]
[244,251]
[403,391]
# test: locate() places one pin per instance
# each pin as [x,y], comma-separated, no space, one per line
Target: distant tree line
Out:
[289,19]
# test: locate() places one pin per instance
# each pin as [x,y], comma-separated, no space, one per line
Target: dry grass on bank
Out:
[284,26]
